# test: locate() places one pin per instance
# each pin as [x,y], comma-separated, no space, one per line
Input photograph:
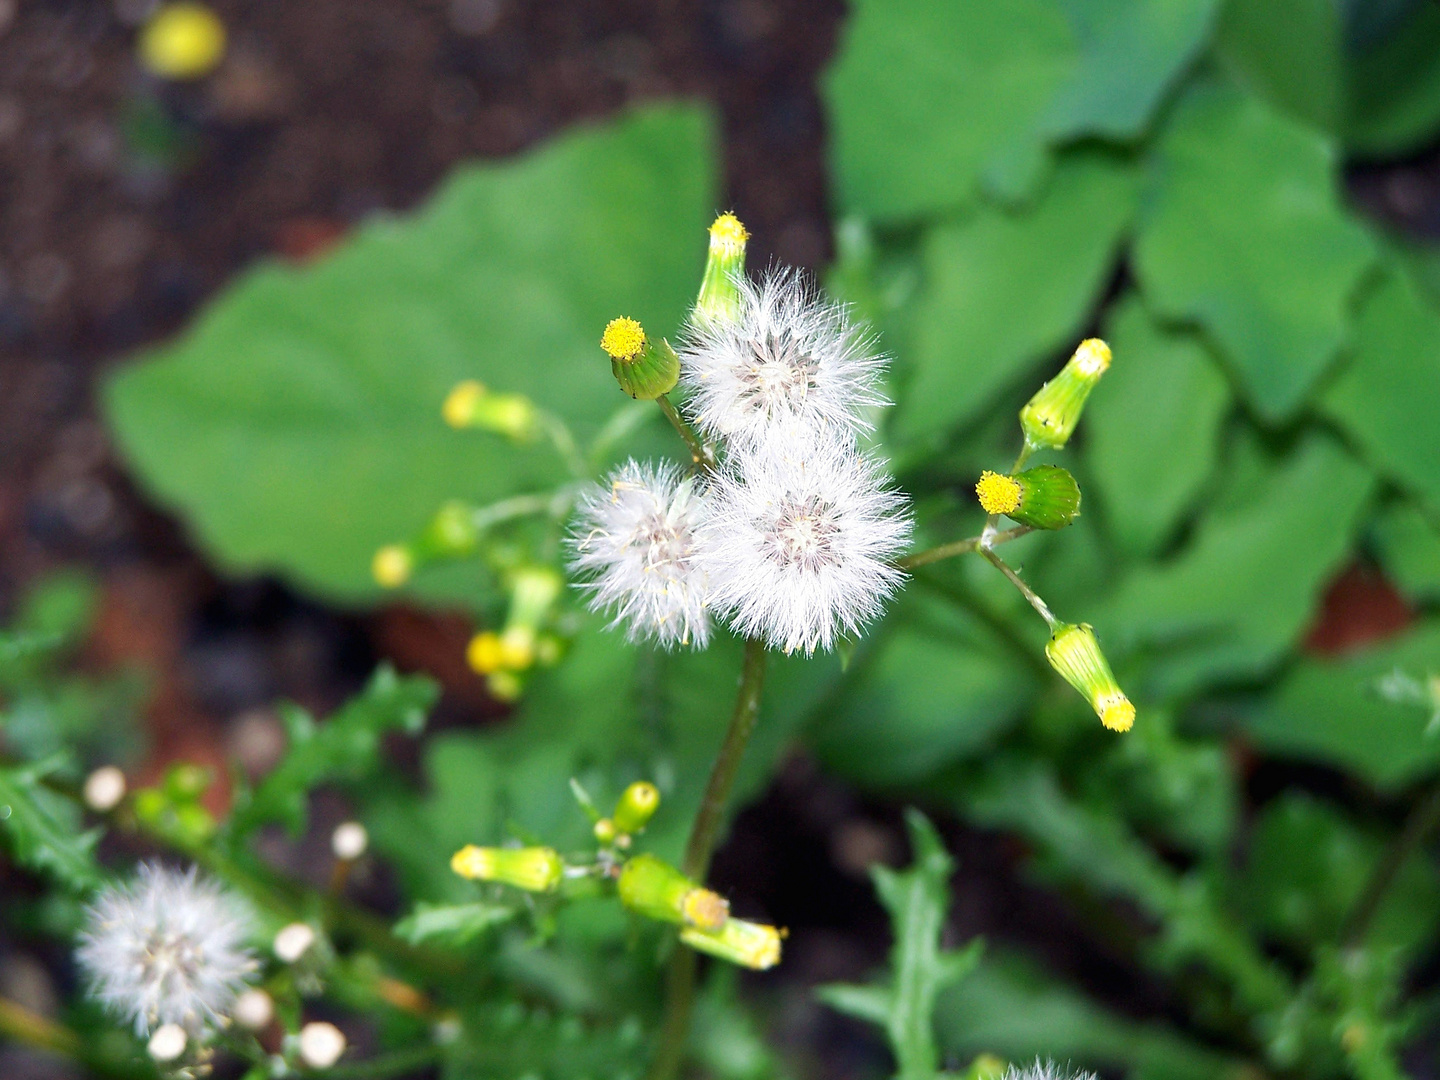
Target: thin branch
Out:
[959,547]
[701,456]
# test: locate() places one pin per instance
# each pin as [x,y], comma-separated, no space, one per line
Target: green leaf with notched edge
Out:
[1409,544]
[923,95]
[452,924]
[918,901]
[1332,711]
[297,424]
[41,829]
[1152,426]
[1005,290]
[1388,396]
[1289,53]
[1243,232]
[1242,592]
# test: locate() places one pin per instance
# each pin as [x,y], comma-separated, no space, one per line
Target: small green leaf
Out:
[453,924]
[344,748]
[1332,712]
[1005,290]
[42,829]
[1383,396]
[1394,88]
[1409,544]
[1152,426]
[1244,233]
[1289,53]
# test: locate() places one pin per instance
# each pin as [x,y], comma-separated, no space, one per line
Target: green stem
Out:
[1025,590]
[959,547]
[18,1024]
[704,833]
[1421,822]
[702,457]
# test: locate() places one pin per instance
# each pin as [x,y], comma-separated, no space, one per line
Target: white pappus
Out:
[1044,1070]
[634,546]
[800,540]
[166,947]
[788,359]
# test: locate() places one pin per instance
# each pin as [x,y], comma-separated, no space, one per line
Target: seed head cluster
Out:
[792,537]
[166,947]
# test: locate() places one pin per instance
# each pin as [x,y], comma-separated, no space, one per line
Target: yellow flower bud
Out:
[472,405]
[998,494]
[624,339]
[644,369]
[460,404]
[1049,418]
[392,566]
[655,889]
[1075,654]
[535,869]
[751,945]
[719,295]
[504,686]
[182,41]
[637,804]
[485,654]
[517,648]
[1045,497]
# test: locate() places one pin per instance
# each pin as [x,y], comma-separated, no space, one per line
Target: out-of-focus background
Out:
[1243,197]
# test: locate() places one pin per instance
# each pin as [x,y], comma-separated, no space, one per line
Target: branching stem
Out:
[699,454]
[959,547]
[1025,590]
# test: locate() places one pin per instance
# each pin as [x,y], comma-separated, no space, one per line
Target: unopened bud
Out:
[637,805]
[1049,418]
[535,869]
[751,945]
[719,297]
[645,369]
[349,841]
[504,686]
[533,590]
[321,1045]
[168,1042]
[655,889]
[182,41]
[471,405]
[392,566]
[517,648]
[294,941]
[1045,497]
[450,533]
[484,653]
[1075,654]
[253,1010]
[605,831]
[104,788]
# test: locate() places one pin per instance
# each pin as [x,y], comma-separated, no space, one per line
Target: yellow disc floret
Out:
[624,339]
[486,653]
[705,909]
[459,406]
[391,566]
[998,494]
[182,41]
[1117,713]
[1092,357]
[728,233]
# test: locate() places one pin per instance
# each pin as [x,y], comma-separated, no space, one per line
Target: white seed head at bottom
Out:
[168,1042]
[321,1044]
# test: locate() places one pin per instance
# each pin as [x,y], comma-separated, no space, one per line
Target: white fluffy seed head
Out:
[1045,1070]
[634,549]
[321,1045]
[789,359]
[166,947]
[800,540]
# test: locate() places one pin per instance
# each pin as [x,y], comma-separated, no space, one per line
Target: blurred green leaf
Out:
[1289,53]
[924,95]
[521,1039]
[1331,711]
[918,901]
[453,924]
[298,424]
[1005,289]
[344,748]
[1409,546]
[1245,234]
[42,829]
[1379,399]
[1241,593]
[1152,426]
[1394,88]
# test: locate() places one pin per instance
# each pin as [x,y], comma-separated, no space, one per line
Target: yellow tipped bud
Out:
[460,403]
[1075,654]
[1049,418]
[182,41]
[517,648]
[624,339]
[728,235]
[644,369]
[485,654]
[391,566]
[704,909]
[533,589]
[605,831]
[724,266]
[471,404]
[998,494]
[637,805]
[751,945]
[535,869]
[655,889]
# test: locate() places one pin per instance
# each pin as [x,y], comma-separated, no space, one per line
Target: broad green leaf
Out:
[1152,427]
[452,924]
[41,829]
[1006,289]
[297,424]
[1242,592]
[1409,544]
[1306,865]
[918,901]
[1332,711]
[1289,53]
[1244,233]
[923,96]
[344,748]
[1385,396]
[1394,88]
[525,1039]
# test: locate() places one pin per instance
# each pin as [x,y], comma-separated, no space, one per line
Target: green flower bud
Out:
[1075,654]
[471,405]
[637,805]
[535,869]
[1045,497]
[1049,418]
[644,369]
[651,887]
[719,298]
[751,945]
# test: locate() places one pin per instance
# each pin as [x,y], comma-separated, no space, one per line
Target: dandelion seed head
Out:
[1045,1070]
[635,549]
[166,947]
[800,541]
[789,358]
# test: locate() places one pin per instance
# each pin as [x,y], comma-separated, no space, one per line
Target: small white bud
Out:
[349,841]
[104,788]
[293,941]
[321,1045]
[254,1010]
[168,1042]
